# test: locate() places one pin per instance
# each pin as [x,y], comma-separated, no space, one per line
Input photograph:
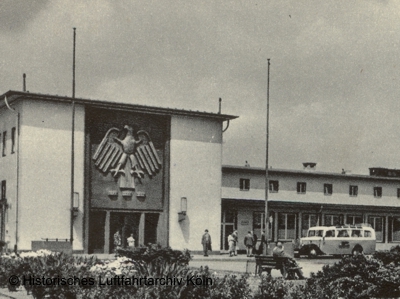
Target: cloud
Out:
[16,15]
[333,79]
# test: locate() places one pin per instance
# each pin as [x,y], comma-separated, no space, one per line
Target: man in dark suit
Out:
[206,242]
[249,242]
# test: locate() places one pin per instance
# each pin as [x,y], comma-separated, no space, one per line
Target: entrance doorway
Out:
[126,224]
[104,224]
[228,225]
[97,231]
[150,228]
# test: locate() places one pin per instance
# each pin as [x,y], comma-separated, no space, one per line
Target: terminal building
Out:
[298,199]
[76,171]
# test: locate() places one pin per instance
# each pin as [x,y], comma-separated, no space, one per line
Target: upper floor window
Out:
[353,190]
[328,189]
[4,142]
[378,191]
[273,186]
[301,187]
[13,140]
[244,184]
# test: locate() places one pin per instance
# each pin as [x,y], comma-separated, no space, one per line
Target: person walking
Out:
[236,238]
[231,243]
[255,238]
[249,242]
[131,241]
[206,242]
[117,240]
[261,248]
[279,251]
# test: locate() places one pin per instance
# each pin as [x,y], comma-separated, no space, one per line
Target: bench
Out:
[267,263]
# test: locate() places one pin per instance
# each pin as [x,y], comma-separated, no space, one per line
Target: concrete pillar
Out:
[107,233]
[365,218]
[386,237]
[141,229]
[300,222]
[276,227]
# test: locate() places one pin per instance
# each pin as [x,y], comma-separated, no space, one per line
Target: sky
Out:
[334,72]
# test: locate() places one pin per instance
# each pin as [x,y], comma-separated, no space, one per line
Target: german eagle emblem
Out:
[114,152]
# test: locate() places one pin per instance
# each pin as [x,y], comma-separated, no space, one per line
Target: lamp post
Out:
[266,218]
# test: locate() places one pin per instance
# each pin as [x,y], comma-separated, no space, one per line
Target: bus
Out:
[338,240]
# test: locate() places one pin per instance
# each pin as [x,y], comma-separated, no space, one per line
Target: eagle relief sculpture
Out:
[127,158]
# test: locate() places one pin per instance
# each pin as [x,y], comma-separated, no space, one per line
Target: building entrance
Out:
[104,224]
[228,225]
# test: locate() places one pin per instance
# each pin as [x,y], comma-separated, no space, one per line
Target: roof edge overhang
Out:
[315,174]
[313,207]
[15,95]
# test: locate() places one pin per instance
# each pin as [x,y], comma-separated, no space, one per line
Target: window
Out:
[13,140]
[353,190]
[357,219]
[258,225]
[328,189]
[394,229]
[333,220]
[273,186]
[4,142]
[3,190]
[309,220]
[378,191]
[301,187]
[315,233]
[398,192]
[286,226]
[330,233]
[377,224]
[244,184]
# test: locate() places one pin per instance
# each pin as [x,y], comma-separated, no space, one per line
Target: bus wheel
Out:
[312,253]
[357,250]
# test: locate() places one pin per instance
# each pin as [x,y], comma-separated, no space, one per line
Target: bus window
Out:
[356,233]
[343,233]
[330,234]
[367,234]
[315,233]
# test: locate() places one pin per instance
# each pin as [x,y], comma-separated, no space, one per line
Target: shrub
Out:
[155,251]
[388,256]
[277,288]
[355,277]
[226,287]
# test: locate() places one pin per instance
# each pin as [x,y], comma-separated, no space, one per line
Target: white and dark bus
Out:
[338,240]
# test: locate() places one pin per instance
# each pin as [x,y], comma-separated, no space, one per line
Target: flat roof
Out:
[311,173]
[16,95]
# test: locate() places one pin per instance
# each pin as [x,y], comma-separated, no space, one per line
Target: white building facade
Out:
[137,185]
[298,199]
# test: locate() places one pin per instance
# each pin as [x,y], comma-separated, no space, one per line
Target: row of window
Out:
[302,188]
[287,224]
[3,137]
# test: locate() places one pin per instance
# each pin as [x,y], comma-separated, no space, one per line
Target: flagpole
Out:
[266,218]
[73,145]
